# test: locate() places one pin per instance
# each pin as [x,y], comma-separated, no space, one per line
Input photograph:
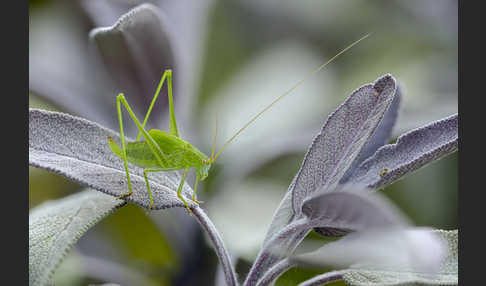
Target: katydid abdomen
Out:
[179,153]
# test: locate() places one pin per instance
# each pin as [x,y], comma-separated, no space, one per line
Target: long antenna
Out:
[286,93]
[214,139]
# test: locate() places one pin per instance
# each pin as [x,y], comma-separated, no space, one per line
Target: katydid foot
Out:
[179,195]
[125,195]
[195,200]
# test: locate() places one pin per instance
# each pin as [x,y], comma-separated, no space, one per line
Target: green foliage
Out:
[296,275]
[55,226]
[139,238]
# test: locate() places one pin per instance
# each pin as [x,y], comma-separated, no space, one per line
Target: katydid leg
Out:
[173,123]
[154,147]
[179,190]
[145,172]
[124,151]
[195,190]
[167,74]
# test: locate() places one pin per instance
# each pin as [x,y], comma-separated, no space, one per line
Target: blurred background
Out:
[231,59]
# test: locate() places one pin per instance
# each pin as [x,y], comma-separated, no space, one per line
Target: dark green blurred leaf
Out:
[429,196]
[140,239]
[224,58]
[299,274]
[44,185]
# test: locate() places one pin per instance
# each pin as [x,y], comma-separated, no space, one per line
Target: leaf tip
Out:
[383,82]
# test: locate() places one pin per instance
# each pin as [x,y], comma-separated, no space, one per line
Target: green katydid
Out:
[167,151]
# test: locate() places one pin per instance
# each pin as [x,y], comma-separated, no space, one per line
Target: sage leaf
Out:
[136,50]
[362,111]
[417,250]
[319,196]
[105,13]
[411,151]
[55,226]
[78,149]
[284,212]
[338,213]
[380,137]
[342,137]
[447,275]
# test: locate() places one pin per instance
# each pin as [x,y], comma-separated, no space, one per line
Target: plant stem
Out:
[218,245]
[324,278]
[287,239]
[274,272]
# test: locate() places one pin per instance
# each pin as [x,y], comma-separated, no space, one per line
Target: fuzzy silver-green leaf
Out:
[447,274]
[344,134]
[78,149]
[412,151]
[380,137]
[320,164]
[55,226]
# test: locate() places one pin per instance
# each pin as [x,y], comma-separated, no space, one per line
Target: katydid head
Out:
[203,170]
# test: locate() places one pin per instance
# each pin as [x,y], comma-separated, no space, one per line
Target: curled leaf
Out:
[411,151]
[55,226]
[337,213]
[387,249]
[136,50]
[78,149]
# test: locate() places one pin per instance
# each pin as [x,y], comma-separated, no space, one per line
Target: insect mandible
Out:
[167,151]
